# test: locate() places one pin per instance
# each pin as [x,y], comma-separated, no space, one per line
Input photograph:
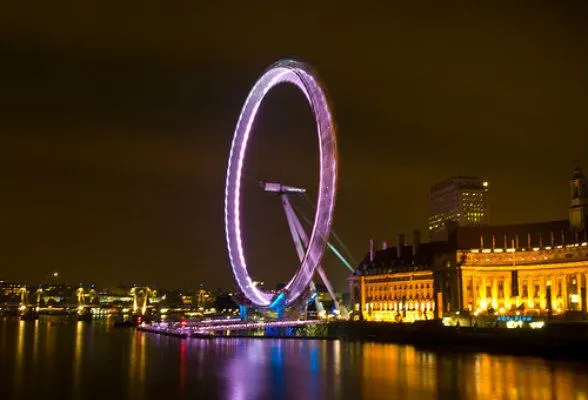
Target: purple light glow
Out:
[201,329]
[255,325]
[297,73]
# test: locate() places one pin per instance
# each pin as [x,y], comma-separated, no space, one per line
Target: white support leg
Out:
[298,240]
[291,216]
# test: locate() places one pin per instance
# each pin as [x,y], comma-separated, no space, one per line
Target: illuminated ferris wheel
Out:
[310,248]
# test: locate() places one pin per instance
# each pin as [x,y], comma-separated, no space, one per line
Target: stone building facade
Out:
[529,269]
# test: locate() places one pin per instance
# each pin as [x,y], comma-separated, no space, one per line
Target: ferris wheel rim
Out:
[299,74]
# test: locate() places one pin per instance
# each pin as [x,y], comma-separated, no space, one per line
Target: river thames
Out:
[55,358]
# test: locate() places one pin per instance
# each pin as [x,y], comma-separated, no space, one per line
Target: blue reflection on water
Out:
[314,366]
[314,358]
[278,368]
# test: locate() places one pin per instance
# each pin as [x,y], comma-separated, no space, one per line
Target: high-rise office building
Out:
[578,211]
[463,200]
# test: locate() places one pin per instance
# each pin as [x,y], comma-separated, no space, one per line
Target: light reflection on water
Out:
[48,359]
[77,358]
[19,361]
[182,367]
[136,370]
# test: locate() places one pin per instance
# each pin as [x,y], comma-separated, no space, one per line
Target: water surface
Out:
[53,358]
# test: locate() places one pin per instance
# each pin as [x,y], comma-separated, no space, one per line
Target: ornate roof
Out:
[387,261]
[526,235]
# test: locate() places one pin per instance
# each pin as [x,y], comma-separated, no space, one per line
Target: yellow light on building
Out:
[574,298]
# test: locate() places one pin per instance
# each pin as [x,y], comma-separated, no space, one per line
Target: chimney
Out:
[384,245]
[416,241]
[400,245]
[371,250]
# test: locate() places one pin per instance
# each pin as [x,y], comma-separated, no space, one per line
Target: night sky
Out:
[116,122]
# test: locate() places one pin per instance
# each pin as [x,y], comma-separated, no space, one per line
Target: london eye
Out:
[300,75]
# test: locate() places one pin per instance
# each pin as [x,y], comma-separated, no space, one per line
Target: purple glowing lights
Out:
[300,75]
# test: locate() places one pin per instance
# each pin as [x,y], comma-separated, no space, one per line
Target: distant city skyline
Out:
[116,131]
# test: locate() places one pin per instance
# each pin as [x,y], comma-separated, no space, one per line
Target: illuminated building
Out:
[116,296]
[9,289]
[396,283]
[204,298]
[526,269]
[525,280]
[462,200]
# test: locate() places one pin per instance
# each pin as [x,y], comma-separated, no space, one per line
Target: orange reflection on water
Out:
[337,372]
[404,372]
[35,339]
[514,378]
[397,371]
[20,353]
[138,362]
[77,357]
